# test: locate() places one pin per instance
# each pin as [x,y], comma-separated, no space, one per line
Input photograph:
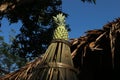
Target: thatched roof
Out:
[95,54]
[22,71]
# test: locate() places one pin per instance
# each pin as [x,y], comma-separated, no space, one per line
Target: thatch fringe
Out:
[22,71]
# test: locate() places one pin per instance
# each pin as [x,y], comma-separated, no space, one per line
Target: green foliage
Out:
[36,21]
[8,61]
[91,1]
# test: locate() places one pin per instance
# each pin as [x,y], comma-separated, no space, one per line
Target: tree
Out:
[35,30]
[94,1]
[36,18]
[36,23]
[8,62]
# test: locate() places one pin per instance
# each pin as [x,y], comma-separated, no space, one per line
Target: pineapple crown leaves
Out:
[59,20]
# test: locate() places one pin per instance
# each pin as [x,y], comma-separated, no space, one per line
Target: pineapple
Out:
[60,31]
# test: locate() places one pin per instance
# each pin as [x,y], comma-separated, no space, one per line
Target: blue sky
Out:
[82,16]
[86,16]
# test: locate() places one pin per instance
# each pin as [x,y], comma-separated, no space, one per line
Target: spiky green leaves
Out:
[59,20]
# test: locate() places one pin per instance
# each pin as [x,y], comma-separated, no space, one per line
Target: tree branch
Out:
[6,72]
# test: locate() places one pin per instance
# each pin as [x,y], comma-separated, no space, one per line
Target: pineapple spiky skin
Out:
[60,31]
